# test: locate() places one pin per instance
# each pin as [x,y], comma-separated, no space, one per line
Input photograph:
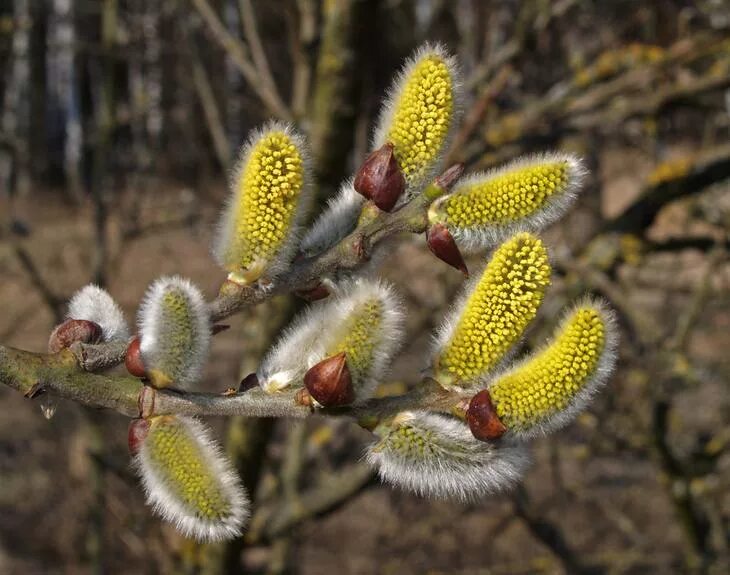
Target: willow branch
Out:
[70,374]
[239,57]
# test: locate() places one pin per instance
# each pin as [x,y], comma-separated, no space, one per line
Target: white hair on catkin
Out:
[444,459]
[313,332]
[604,369]
[476,238]
[227,221]
[337,220]
[158,332]
[352,295]
[385,118]
[93,303]
[160,489]
[296,350]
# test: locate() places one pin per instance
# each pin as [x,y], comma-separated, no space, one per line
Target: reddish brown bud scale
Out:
[316,293]
[219,328]
[449,177]
[133,359]
[330,382]
[482,418]
[380,179]
[249,382]
[72,331]
[138,430]
[443,246]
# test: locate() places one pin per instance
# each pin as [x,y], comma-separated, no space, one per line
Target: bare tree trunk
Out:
[65,130]
[15,112]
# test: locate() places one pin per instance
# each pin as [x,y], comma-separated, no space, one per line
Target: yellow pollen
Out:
[497,312]
[268,191]
[504,198]
[548,383]
[180,463]
[358,337]
[422,117]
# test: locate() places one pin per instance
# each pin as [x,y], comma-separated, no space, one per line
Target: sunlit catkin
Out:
[92,303]
[437,456]
[420,114]
[364,321]
[174,330]
[544,391]
[259,226]
[493,315]
[485,208]
[189,481]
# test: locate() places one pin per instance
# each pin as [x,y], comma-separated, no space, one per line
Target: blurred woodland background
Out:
[119,120]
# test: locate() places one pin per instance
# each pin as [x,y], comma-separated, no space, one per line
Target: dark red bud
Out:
[218,328]
[329,381]
[443,246]
[380,179]
[482,418]
[249,382]
[133,359]
[449,177]
[138,430]
[71,331]
[316,293]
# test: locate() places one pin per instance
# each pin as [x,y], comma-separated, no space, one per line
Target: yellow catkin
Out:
[179,322]
[546,384]
[358,337]
[180,463]
[411,441]
[506,197]
[269,189]
[504,301]
[422,116]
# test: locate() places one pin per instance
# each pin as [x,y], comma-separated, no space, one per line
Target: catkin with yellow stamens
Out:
[258,228]
[364,321]
[420,114]
[494,314]
[189,481]
[530,193]
[437,456]
[174,331]
[544,391]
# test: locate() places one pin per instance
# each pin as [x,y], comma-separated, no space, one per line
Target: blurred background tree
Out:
[119,120]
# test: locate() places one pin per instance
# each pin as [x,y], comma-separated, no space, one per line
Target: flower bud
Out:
[329,381]
[483,419]
[187,479]
[493,313]
[437,456]
[443,246]
[544,391]
[420,114]
[94,304]
[174,332]
[259,226]
[72,331]
[485,208]
[348,342]
[249,382]
[137,433]
[379,179]
[133,359]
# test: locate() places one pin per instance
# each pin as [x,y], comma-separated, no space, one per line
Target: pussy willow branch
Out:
[70,373]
